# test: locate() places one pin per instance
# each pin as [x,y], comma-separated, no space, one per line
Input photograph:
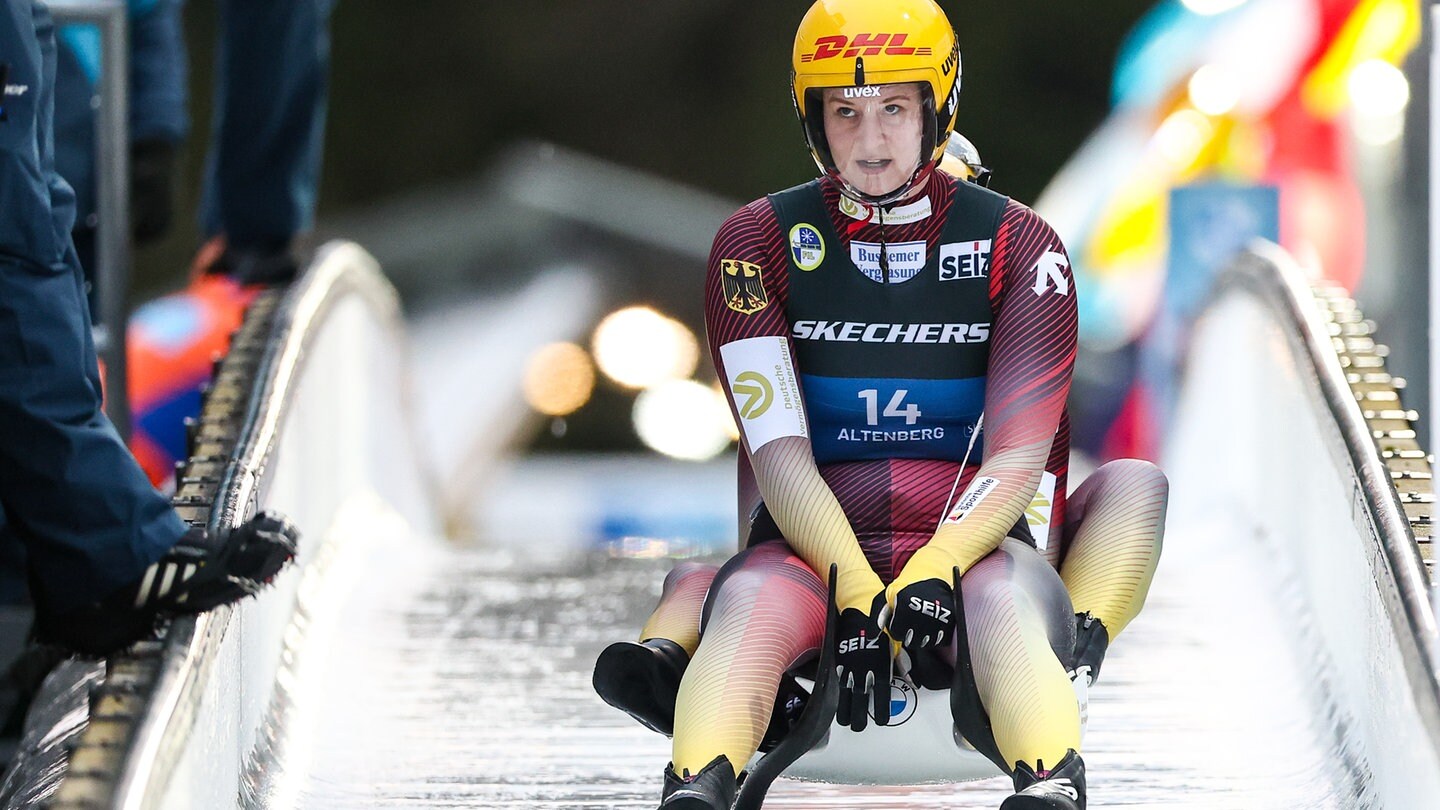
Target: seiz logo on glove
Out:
[924,615]
[862,662]
[860,643]
[935,609]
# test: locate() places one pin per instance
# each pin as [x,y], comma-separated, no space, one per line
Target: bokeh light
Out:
[682,419]
[638,347]
[1209,7]
[559,379]
[1183,136]
[1213,90]
[1379,94]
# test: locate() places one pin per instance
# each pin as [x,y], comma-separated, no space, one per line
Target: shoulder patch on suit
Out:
[743,286]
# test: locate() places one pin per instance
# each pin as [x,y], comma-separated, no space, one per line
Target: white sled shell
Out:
[921,748]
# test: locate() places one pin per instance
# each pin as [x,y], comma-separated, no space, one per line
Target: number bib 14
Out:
[862,419]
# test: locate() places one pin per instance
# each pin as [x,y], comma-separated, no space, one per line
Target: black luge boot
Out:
[713,788]
[1060,788]
[642,679]
[1091,642]
[790,703]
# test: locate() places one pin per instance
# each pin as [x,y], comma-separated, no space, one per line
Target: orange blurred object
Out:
[173,344]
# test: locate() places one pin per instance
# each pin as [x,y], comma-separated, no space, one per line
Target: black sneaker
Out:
[642,680]
[202,572]
[1060,788]
[713,788]
[273,264]
[1091,642]
[197,574]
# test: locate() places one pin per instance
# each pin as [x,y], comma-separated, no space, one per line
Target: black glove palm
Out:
[924,616]
[862,661]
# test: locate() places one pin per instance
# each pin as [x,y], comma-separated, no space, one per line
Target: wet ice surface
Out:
[462,679]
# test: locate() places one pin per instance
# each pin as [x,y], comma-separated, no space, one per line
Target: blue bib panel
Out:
[864,418]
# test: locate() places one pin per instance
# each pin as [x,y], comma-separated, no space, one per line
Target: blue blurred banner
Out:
[1209,224]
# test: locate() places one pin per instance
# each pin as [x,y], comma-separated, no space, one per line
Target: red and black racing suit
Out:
[858,384]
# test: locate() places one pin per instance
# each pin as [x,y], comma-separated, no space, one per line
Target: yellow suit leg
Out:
[1116,527]
[682,601]
[1017,615]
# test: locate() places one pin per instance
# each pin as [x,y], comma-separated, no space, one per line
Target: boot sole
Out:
[691,801]
[627,677]
[1018,802]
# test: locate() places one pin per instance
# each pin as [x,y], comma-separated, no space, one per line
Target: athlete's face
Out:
[874,134]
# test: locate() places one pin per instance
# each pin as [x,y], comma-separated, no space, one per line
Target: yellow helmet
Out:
[855,43]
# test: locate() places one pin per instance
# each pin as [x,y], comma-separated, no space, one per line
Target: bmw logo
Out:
[903,701]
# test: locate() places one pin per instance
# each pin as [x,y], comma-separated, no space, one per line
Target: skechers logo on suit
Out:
[859,643]
[853,332]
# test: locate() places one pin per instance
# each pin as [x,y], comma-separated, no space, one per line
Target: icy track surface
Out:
[461,678]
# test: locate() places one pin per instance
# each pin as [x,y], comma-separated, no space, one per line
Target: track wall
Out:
[1272,441]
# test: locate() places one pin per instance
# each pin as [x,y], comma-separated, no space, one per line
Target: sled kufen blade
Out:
[971,720]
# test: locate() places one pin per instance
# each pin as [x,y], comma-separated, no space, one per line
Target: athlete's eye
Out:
[894,109]
[845,112]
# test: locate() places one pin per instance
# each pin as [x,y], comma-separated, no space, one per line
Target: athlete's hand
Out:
[924,615]
[862,661]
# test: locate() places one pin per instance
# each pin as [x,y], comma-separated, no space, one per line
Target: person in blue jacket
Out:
[264,162]
[261,177]
[105,553]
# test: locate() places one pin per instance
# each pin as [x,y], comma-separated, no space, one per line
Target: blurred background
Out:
[694,91]
[448,101]
[476,147]
[542,182]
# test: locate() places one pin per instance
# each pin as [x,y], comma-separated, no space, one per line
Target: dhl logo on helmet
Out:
[862,45]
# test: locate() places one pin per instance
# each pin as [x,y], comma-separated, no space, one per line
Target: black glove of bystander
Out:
[152,181]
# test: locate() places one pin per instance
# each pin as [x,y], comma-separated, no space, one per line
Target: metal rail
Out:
[339,269]
[112,185]
[1377,438]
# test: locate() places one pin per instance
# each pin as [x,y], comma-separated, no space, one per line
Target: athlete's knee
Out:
[1139,491]
[1013,590]
[1013,567]
[769,582]
[1134,475]
[678,615]
[690,574]
[1129,496]
[755,584]
[988,583]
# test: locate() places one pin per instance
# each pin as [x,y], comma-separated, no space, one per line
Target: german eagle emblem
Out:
[744,289]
